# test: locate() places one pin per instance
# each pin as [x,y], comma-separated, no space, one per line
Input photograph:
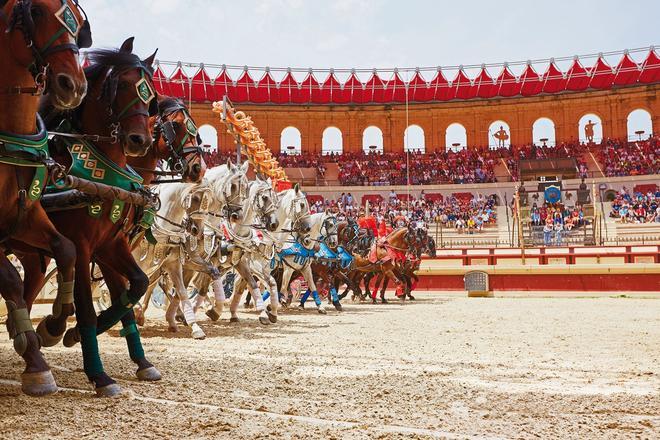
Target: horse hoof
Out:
[47,340]
[411,298]
[38,384]
[264,320]
[234,319]
[172,329]
[212,314]
[338,307]
[198,334]
[149,374]
[373,301]
[322,312]
[272,318]
[71,337]
[111,390]
[384,301]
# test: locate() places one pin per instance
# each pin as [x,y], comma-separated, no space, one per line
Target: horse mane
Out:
[168,105]
[103,59]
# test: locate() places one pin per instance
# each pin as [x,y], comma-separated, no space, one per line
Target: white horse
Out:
[222,190]
[293,218]
[239,243]
[299,255]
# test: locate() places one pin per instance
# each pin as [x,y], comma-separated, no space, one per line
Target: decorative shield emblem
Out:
[68,19]
[144,91]
[190,126]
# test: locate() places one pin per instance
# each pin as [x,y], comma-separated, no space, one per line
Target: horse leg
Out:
[175,271]
[386,281]
[412,284]
[116,285]
[271,310]
[239,285]
[367,281]
[38,231]
[244,270]
[36,379]
[215,311]
[309,277]
[86,329]
[285,285]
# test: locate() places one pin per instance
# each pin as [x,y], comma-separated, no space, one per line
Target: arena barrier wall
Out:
[615,268]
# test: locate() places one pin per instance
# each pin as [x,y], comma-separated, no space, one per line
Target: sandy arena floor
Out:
[443,367]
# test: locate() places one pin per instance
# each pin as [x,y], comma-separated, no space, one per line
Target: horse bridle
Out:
[266,210]
[145,93]
[328,232]
[177,153]
[295,224]
[230,204]
[21,19]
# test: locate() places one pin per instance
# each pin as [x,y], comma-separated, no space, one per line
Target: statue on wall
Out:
[501,135]
[589,131]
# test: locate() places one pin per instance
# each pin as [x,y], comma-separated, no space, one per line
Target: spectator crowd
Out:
[636,207]
[472,165]
[464,211]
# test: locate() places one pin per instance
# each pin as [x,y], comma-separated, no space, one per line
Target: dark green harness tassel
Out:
[132,335]
[90,348]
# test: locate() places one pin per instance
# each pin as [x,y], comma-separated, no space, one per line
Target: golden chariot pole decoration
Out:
[250,142]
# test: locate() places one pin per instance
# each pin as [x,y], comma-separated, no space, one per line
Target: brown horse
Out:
[386,254]
[405,271]
[177,143]
[39,42]
[115,115]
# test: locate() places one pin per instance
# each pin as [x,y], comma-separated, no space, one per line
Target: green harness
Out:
[91,164]
[28,151]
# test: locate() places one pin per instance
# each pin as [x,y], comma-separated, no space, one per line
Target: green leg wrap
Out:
[111,316]
[64,294]
[18,323]
[90,348]
[132,335]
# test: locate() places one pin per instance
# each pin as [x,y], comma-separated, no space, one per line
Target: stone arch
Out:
[209,136]
[332,142]
[637,121]
[596,131]
[372,140]
[413,139]
[455,137]
[499,135]
[291,141]
[544,132]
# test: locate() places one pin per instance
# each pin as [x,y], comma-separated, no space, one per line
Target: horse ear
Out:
[150,61]
[269,181]
[296,188]
[258,177]
[127,46]
[230,165]
[245,166]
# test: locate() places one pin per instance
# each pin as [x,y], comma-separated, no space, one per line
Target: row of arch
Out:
[639,124]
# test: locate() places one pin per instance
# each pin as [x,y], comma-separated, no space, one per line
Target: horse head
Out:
[263,200]
[329,230]
[177,140]
[45,36]
[122,98]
